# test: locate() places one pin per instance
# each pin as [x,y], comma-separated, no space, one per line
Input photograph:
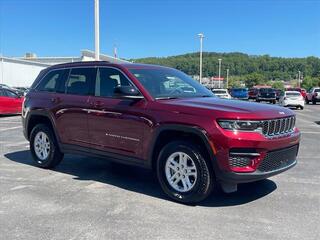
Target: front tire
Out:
[44,148]
[314,101]
[183,173]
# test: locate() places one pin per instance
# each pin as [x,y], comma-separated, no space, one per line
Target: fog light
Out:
[243,161]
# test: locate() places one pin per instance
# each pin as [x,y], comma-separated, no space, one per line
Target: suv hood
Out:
[221,108]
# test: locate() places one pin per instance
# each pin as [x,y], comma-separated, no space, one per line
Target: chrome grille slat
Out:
[278,127]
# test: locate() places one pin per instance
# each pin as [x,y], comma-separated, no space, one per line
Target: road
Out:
[88,198]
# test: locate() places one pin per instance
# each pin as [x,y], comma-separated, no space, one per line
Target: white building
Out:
[22,71]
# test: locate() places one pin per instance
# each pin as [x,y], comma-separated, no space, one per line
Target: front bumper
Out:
[253,143]
[260,173]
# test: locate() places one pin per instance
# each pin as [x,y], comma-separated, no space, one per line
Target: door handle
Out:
[97,104]
[55,100]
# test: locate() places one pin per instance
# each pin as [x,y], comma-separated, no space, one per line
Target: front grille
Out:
[278,126]
[278,159]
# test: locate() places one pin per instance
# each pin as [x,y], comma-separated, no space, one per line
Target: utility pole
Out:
[219,70]
[201,36]
[227,85]
[96,31]
[299,74]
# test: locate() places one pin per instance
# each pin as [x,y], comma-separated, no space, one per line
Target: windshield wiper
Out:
[165,98]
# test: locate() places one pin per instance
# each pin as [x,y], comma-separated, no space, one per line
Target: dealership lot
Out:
[87,198]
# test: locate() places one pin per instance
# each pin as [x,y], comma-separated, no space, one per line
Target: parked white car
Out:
[291,99]
[221,93]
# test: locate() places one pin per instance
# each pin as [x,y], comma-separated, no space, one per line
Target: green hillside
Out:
[245,68]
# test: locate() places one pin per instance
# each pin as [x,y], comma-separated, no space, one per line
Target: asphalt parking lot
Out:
[87,198]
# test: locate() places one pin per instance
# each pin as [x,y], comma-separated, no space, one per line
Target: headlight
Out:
[241,125]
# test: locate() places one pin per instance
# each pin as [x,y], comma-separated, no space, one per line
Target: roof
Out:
[105,63]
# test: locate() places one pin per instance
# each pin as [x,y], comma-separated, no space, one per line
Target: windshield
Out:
[267,90]
[170,83]
[293,94]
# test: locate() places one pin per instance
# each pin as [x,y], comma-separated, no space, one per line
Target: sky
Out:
[145,28]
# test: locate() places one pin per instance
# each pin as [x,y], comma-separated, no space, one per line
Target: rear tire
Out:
[185,187]
[44,148]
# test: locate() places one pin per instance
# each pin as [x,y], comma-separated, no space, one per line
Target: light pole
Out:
[227,78]
[96,31]
[201,36]
[219,69]
[299,74]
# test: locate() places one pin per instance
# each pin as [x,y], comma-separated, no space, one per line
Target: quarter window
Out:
[81,81]
[54,81]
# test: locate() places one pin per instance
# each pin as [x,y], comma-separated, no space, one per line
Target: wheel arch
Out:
[40,118]
[171,132]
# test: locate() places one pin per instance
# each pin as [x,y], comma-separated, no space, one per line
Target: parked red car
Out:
[301,90]
[10,102]
[253,92]
[159,118]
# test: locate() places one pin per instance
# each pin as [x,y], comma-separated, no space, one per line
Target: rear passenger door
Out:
[72,106]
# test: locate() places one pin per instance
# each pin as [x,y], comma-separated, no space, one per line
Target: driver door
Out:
[115,125]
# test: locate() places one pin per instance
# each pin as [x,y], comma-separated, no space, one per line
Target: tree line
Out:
[243,68]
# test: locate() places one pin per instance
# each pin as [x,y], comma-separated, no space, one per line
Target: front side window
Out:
[81,81]
[107,80]
[54,81]
[164,83]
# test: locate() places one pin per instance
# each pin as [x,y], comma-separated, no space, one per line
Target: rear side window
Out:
[81,81]
[54,81]
[2,94]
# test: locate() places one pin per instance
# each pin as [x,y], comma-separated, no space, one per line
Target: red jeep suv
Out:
[159,118]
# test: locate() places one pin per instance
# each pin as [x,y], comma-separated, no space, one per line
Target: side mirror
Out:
[127,92]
